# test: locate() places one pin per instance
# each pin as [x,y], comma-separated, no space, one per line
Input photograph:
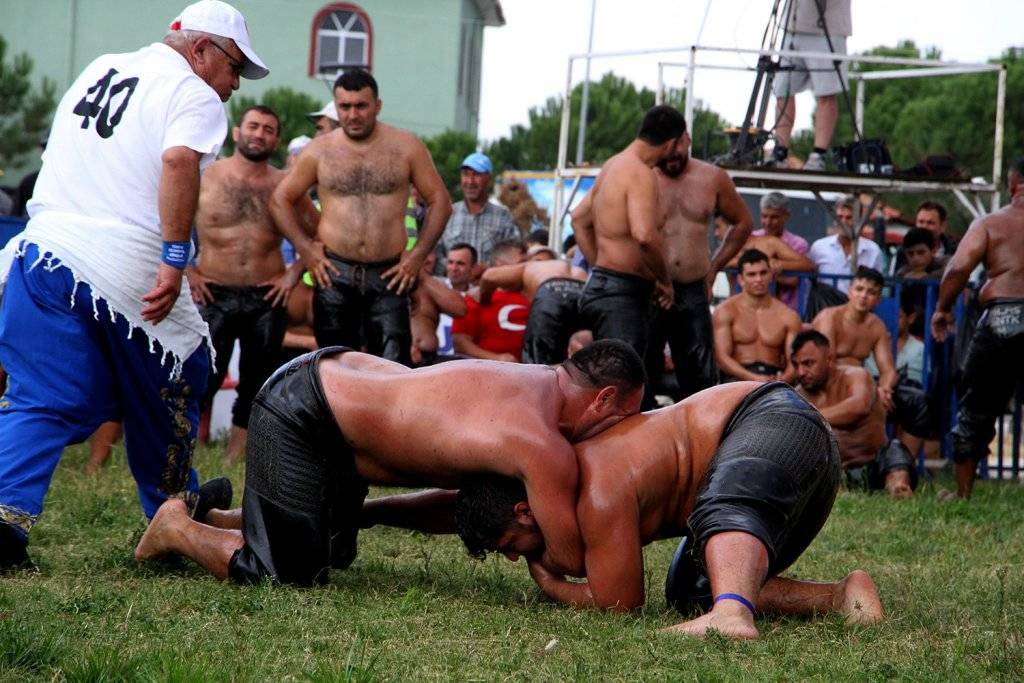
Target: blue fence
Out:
[939,366]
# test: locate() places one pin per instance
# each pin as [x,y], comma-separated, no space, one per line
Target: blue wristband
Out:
[738,598]
[175,254]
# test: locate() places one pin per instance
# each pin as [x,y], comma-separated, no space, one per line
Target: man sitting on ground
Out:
[493,330]
[334,421]
[753,329]
[855,332]
[747,473]
[553,287]
[845,395]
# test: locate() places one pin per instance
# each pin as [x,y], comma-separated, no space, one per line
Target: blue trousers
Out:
[71,369]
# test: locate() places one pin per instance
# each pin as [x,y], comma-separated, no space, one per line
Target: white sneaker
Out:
[815,162]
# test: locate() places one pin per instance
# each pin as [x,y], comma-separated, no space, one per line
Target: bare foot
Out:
[857,599]
[897,484]
[730,625]
[156,541]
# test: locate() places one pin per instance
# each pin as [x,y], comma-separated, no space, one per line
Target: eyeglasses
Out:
[236,66]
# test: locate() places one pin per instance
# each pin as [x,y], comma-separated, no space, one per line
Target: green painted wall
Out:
[416,47]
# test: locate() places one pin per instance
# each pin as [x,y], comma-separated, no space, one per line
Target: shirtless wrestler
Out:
[431,298]
[855,332]
[845,395]
[693,192]
[747,473]
[781,256]
[753,330]
[240,282]
[619,226]
[553,287]
[358,258]
[333,421]
[997,241]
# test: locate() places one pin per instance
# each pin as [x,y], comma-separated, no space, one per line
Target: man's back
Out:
[616,202]
[103,159]
[1004,253]
[536,273]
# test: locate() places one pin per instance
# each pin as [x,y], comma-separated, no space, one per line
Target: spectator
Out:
[460,265]
[920,254]
[325,120]
[495,331]
[834,254]
[932,216]
[476,220]
[774,215]
[432,299]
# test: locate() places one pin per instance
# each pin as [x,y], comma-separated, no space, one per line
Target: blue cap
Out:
[478,162]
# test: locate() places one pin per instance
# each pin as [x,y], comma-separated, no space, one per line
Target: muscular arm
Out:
[583,227]
[431,511]
[285,204]
[824,322]
[444,297]
[857,404]
[788,258]
[793,327]
[734,210]
[509,278]
[431,188]
[177,199]
[551,474]
[642,212]
[884,360]
[613,557]
[721,321]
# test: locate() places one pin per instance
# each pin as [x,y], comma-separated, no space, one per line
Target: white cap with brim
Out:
[221,19]
[329,111]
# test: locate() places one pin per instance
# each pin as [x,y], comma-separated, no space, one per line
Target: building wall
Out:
[415,48]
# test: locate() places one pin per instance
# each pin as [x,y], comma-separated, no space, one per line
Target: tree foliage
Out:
[291,107]
[615,107]
[24,110]
[449,149]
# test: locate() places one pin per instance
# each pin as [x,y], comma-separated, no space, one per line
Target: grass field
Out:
[415,607]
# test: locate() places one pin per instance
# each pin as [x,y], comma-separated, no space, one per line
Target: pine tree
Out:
[24,110]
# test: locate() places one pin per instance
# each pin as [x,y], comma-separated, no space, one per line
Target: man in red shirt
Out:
[494,330]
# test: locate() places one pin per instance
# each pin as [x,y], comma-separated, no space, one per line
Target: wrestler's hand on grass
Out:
[402,276]
[941,322]
[163,295]
[541,574]
[281,287]
[198,284]
[318,265]
[664,294]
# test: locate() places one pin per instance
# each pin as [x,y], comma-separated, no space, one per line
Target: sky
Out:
[525,61]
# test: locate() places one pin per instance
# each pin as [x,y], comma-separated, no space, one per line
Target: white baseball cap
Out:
[221,19]
[328,110]
[298,144]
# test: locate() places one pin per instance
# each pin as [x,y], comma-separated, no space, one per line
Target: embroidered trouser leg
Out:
[73,366]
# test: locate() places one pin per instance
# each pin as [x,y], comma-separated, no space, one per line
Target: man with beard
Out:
[358,258]
[240,281]
[692,193]
[618,227]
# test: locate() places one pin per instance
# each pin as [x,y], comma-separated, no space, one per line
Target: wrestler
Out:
[330,423]
[693,192]
[997,241]
[855,332]
[431,298]
[781,256]
[240,281]
[753,329]
[358,258]
[747,473]
[553,287]
[618,227]
[845,395]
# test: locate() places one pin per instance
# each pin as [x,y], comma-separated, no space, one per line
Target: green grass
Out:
[416,607]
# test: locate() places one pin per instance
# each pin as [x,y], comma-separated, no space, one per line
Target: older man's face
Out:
[474,185]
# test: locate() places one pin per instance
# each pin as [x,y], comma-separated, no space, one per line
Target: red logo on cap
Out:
[176,25]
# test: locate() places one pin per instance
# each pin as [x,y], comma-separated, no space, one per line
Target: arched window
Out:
[342,37]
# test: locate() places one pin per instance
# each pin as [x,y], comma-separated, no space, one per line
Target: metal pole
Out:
[690,71]
[581,138]
[659,95]
[997,150]
[860,105]
[555,230]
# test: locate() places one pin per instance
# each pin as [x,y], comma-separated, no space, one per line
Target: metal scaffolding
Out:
[968,193]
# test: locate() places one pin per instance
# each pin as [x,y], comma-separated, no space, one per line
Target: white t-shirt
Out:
[103,157]
[828,254]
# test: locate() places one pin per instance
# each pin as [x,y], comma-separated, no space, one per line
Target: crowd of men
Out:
[343,380]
